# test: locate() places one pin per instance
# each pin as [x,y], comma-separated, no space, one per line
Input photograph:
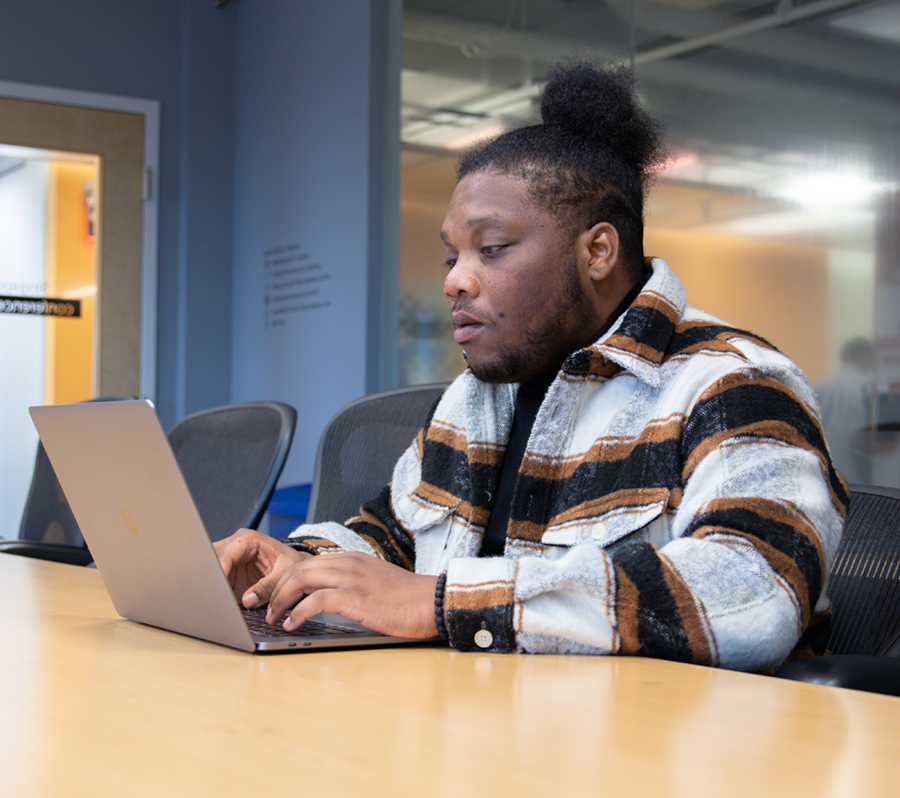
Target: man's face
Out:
[522,300]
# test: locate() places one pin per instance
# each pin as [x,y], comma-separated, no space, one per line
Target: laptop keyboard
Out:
[256,623]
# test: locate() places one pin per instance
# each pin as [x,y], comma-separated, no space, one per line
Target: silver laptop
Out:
[136,513]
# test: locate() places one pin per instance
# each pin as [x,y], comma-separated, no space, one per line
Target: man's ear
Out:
[601,245]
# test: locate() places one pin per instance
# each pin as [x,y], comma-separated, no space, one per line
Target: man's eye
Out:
[493,249]
[450,262]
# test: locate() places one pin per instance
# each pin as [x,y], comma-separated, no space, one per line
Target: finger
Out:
[228,561]
[332,601]
[325,584]
[303,579]
[339,577]
[241,547]
[282,587]
[261,591]
[313,604]
[284,592]
[218,545]
[300,580]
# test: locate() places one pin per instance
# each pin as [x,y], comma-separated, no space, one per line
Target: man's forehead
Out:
[489,186]
[487,198]
[483,220]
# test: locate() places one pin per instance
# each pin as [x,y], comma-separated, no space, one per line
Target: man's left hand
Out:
[375,593]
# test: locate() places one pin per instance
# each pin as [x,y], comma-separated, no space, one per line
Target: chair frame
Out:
[319,466]
[879,672]
[288,418]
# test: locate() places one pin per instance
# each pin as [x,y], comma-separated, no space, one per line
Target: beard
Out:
[560,329]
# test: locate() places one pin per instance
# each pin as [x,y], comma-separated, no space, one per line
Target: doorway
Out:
[79,137]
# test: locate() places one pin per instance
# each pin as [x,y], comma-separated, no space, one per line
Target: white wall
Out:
[851,298]
[23,249]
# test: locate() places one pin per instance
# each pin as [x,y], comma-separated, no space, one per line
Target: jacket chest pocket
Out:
[425,517]
[440,535]
[607,528]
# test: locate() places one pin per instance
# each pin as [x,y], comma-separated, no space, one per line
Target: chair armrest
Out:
[73,555]
[857,672]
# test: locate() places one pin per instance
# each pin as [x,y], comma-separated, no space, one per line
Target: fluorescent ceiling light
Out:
[880,22]
[804,223]
[830,190]
[474,135]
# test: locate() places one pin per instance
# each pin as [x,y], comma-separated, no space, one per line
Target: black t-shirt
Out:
[528,401]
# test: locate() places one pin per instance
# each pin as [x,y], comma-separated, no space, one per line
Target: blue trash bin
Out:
[287,509]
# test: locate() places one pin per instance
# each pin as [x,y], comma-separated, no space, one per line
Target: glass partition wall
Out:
[779,209]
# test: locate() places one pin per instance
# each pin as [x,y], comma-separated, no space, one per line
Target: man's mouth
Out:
[466,327]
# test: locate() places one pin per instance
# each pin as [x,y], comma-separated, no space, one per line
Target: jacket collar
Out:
[638,340]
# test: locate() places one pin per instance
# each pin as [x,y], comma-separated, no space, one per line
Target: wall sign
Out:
[294,284]
[40,306]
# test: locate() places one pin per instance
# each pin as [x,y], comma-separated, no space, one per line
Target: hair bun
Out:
[597,104]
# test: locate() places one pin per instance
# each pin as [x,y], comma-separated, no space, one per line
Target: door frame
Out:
[149,109]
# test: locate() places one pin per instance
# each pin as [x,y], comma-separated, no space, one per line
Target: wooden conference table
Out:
[93,705]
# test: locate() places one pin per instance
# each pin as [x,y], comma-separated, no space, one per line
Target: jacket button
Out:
[420,514]
[598,531]
[483,638]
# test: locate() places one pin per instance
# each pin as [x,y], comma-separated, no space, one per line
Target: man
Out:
[615,472]
[847,411]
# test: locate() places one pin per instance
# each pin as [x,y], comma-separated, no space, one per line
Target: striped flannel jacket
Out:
[676,499]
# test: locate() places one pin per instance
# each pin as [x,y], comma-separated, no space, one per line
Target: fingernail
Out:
[250,600]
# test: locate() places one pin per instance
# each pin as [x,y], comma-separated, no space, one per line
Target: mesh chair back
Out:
[47,517]
[231,458]
[865,576]
[361,445]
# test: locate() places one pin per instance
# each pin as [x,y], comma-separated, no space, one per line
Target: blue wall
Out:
[311,180]
[180,53]
[312,90]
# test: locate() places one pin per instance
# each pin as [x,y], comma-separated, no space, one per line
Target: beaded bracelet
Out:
[298,545]
[439,606]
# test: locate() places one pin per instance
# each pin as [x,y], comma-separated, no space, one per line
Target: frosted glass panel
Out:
[779,208]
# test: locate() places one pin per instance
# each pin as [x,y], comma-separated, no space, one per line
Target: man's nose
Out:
[461,279]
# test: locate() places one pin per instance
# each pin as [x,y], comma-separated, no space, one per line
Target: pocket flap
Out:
[421,513]
[605,528]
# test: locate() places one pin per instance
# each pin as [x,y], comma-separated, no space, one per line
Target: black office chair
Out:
[864,642]
[231,458]
[361,445]
[48,530]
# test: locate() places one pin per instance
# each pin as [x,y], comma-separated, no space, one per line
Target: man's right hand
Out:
[254,564]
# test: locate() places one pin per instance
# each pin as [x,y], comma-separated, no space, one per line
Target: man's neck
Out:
[626,302]
[538,385]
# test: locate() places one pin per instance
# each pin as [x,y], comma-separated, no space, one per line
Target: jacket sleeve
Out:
[374,531]
[735,580]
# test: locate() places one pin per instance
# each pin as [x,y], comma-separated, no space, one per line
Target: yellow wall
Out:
[776,290]
[71,274]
